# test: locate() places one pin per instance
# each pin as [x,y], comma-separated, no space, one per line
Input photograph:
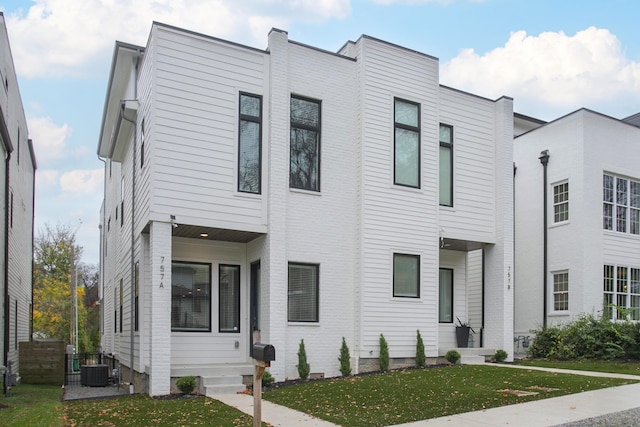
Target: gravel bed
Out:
[628,418]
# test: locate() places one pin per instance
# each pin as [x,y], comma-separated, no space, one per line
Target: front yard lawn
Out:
[412,395]
[617,366]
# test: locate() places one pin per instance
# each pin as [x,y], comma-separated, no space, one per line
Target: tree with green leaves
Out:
[57,271]
[421,359]
[345,359]
[384,354]
[303,365]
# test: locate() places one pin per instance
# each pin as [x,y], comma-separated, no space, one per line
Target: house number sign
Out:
[162,272]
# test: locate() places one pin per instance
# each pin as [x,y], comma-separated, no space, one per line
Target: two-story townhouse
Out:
[577,216]
[17,180]
[294,194]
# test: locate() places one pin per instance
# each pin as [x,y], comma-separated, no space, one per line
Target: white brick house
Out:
[302,193]
[17,180]
[592,237]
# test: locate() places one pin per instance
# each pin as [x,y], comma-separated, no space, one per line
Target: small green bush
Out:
[267,378]
[303,366]
[588,337]
[500,356]
[345,359]
[452,356]
[421,359]
[384,354]
[186,384]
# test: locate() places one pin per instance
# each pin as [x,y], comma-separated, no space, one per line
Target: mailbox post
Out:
[263,355]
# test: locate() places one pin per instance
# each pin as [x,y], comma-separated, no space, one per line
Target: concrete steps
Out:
[216,379]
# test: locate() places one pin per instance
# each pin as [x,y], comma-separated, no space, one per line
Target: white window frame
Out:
[621,286]
[561,202]
[299,294]
[621,204]
[560,291]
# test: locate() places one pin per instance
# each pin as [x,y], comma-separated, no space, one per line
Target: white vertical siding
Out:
[473,214]
[397,219]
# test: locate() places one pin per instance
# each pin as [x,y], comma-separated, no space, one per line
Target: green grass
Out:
[618,366]
[32,405]
[142,410]
[405,396]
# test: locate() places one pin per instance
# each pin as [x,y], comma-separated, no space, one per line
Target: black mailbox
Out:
[264,352]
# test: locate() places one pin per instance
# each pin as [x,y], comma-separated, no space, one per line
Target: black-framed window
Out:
[121,301]
[561,202]
[250,144]
[302,304]
[445,295]
[406,276]
[136,292]
[190,296]
[406,143]
[446,165]
[561,291]
[304,165]
[142,130]
[121,201]
[229,298]
[115,310]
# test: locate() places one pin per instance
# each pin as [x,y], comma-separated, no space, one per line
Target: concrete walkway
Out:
[539,413]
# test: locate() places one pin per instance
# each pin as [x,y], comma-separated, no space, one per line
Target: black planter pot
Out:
[462,336]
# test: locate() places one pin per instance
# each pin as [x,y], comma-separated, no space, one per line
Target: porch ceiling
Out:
[208,233]
[460,245]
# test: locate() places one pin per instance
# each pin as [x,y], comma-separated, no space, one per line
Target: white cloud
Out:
[46,181]
[65,37]
[49,139]
[553,69]
[82,182]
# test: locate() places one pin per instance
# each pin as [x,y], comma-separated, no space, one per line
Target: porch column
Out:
[498,295]
[160,305]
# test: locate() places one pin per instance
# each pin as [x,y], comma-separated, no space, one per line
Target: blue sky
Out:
[551,56]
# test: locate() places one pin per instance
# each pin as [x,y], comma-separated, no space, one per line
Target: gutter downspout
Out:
[544,160]
[101,252]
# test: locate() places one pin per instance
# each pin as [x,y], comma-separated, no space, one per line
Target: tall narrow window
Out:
[445,296]
[250,144]
[136,291]
[229,298]
[634,207]
[446,165]
[304,167]
[561,202]
[609,292]
[142,144]
[561,291]
[406,143]
[190,297]
[115,309]
[121,303]
[303,292]
[406,276]
[121,201]
[621,205]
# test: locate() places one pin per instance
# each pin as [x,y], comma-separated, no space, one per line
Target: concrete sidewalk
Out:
[539,413]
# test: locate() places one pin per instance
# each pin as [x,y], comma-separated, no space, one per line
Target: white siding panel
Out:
[195,130]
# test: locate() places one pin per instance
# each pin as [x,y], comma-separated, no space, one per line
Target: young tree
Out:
[345,359]
[420,356]
[56,266]
[384,354]
[303,365]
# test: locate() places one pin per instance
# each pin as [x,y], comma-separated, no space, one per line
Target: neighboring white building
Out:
[303,194]
[592,239]
[17,180]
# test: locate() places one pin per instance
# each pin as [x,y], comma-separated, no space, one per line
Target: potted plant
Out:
[462,333]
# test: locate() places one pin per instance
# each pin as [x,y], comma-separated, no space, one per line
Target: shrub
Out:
[452,356]
[500,356]
[303,366]
[186,384]
[384,354]
[267,378]
[345,359]
[421,360]
[588,337]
